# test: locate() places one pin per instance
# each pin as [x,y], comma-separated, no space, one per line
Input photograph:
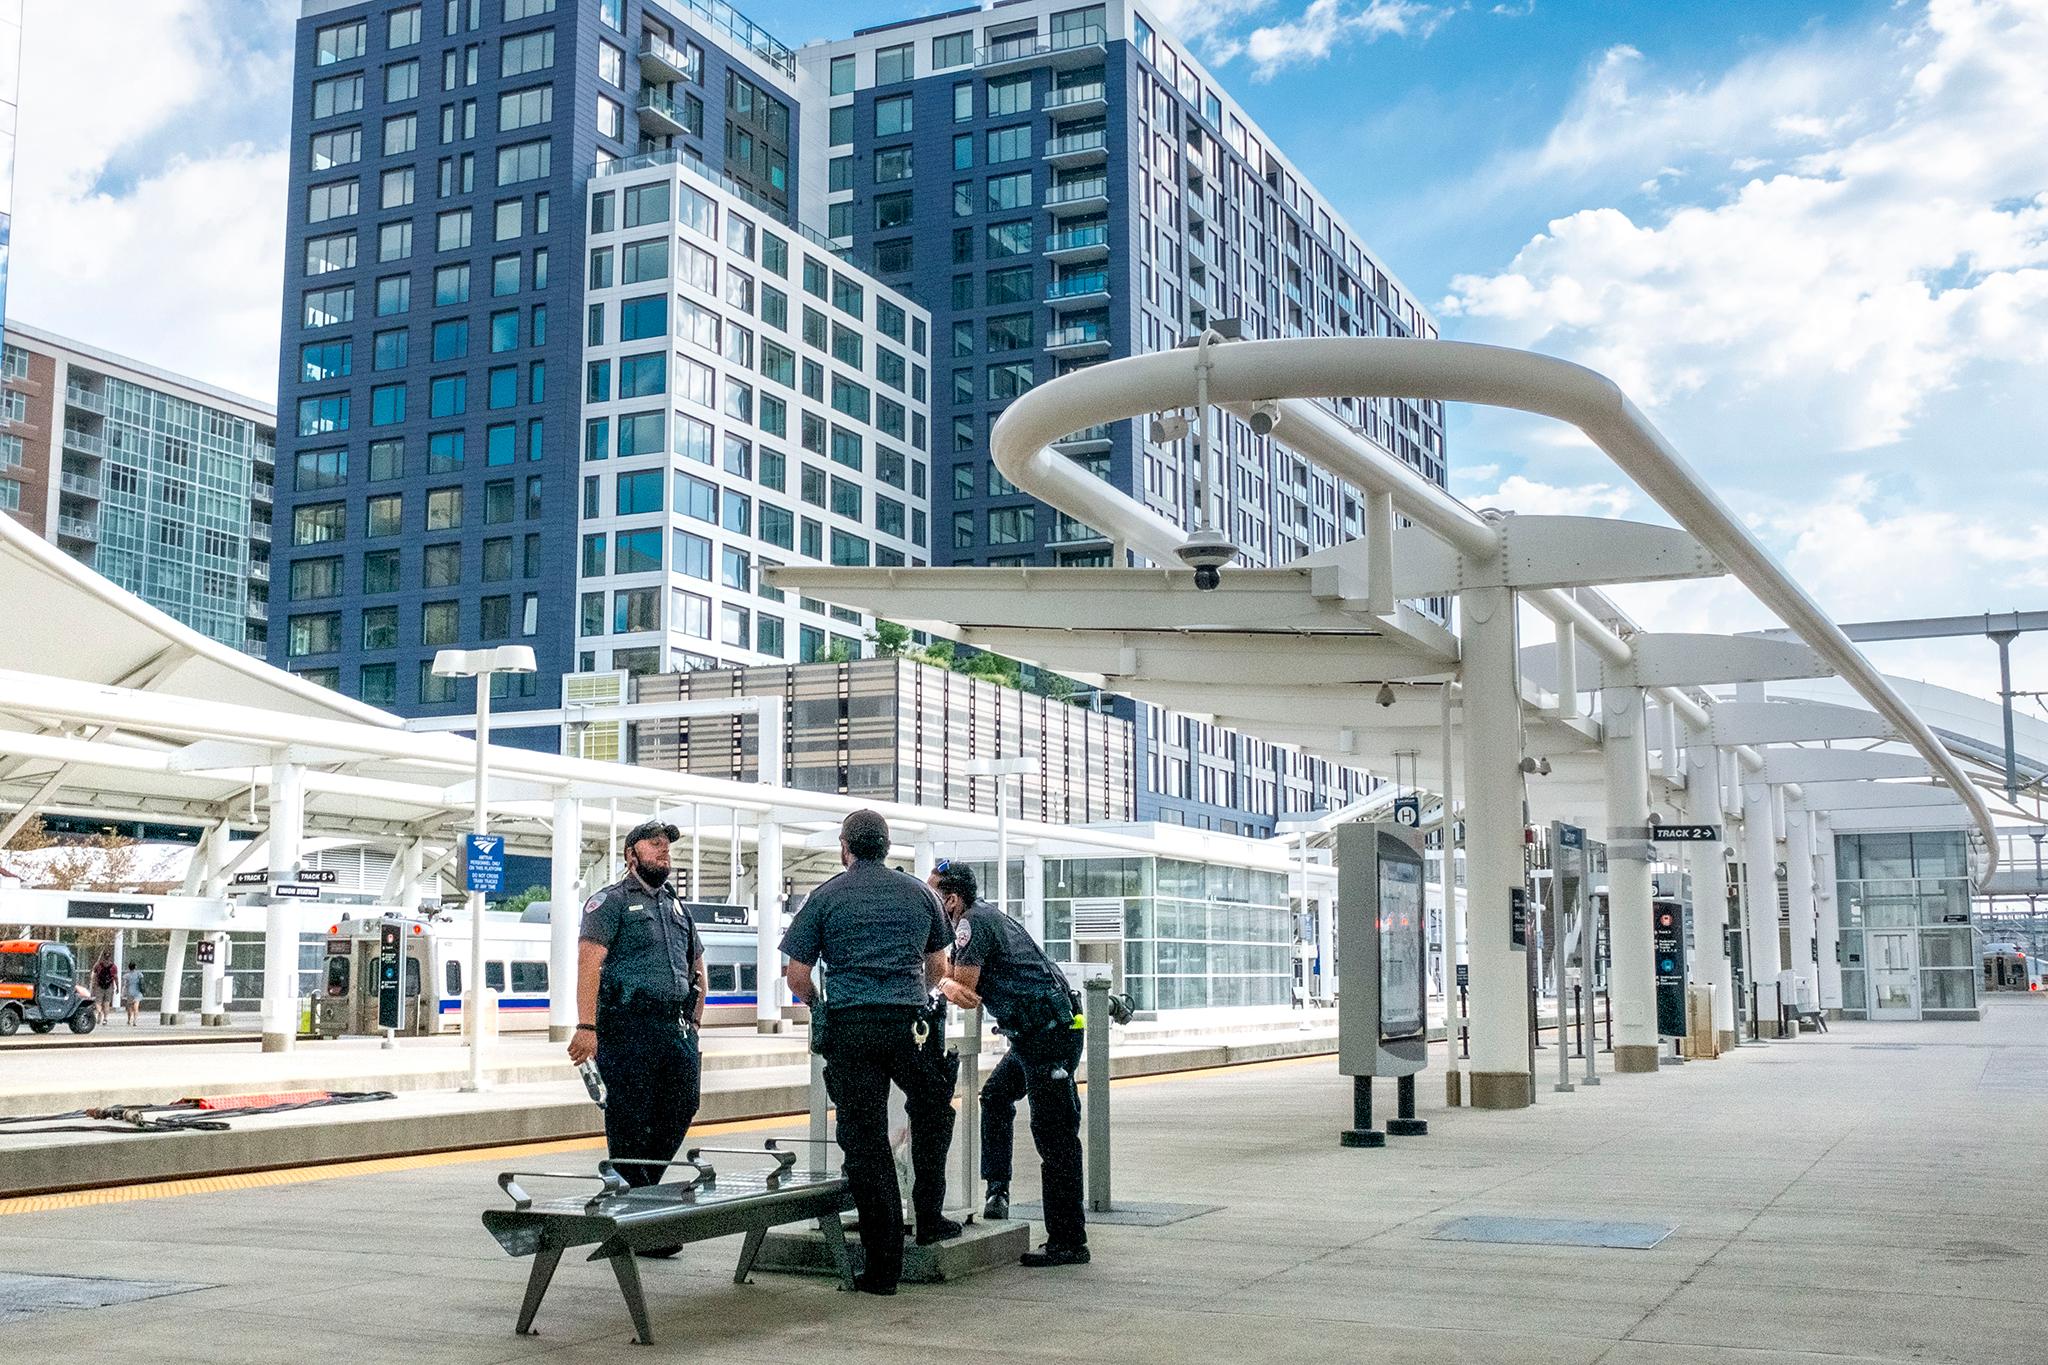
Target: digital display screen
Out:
[1401,964]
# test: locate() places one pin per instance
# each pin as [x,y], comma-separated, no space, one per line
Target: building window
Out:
[526,52]
[444,509]
[893,116]
[952,49]
[338,95]
[380,628]
[340,42]
[318,634]
[440,623]
[1009,144]
[386,517]
[528,108]
[387,405]
[441,566]
[523,162]
[378,684]
[894,64]
[401,82]
[387,460]
[892,211]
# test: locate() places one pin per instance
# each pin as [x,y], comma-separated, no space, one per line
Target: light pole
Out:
[480,664]
[1000,768]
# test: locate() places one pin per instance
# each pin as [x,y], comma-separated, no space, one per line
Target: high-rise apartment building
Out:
[160,482]
[549,372]
[1062,185]
[1001,195]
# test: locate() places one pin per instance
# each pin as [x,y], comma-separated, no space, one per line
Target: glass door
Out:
[1894,974]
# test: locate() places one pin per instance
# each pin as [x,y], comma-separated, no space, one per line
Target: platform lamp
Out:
[999,769]
[480,664]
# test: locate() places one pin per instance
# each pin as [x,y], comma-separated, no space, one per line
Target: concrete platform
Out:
[1867,1195]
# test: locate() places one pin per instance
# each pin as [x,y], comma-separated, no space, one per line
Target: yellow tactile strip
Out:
[341,1170]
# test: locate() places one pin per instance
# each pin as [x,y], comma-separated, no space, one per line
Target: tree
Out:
[842,652]
[995,668]
[891,641]
[517,904]
[940,654]
[31,836]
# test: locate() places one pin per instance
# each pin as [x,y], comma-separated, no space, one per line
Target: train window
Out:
[494,976]
[454,974]
[529,978]
[746,976]
[721,977]
[337,976]
[412,976]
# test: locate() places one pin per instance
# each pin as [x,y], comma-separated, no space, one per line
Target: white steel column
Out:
[413,864]
[172,989]
[565,915]
[768,986]
[1710,964]
[1760,905]
[1799,898]
[1034,896]
[1830,912]
[923,857]
[281,916]
[1495,870]
[1324,914]
[1632,982]
[1447,831]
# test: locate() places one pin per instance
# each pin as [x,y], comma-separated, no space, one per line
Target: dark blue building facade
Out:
[430,383]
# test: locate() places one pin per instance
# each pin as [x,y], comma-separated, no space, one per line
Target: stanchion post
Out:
[969,1127]
[819,1103]
[1097,1043]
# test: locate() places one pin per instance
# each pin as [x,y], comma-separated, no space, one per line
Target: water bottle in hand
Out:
[592,1081]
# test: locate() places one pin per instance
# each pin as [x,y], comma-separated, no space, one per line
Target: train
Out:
[437,958]
[2007,967]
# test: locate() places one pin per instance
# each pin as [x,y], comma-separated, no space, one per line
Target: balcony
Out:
[1096,437]
[77,528]
[1079,195]
[85,443]
[259,571]
[1079,244]
[1079,99]
[84,485]
[663,114]
[92,400]
[260,530]
[1067,531]
[263,490]
[1079,149]
[1075,290]
[1061,51]
[1078,338]
[661,61]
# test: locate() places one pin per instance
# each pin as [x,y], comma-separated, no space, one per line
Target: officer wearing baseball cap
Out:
[640,989]
[882,938]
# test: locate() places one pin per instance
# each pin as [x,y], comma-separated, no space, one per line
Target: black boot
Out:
[997,1206]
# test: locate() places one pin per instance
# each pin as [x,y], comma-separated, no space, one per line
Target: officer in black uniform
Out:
[883,940]
[640,989]
[996,963]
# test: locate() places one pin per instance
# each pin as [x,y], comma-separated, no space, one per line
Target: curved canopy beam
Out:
[1246,372]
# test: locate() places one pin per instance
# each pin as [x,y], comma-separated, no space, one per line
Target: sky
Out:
[1810,240]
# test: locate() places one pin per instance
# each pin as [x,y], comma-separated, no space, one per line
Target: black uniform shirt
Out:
[873,927]
[650,943]
[1019,984]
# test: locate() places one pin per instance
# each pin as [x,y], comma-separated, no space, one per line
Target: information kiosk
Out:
[1381,972]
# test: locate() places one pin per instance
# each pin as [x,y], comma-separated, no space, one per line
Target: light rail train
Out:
[2007,967]
[437,963]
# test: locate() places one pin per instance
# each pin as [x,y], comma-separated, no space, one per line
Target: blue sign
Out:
[1570,836]
[1408,811]
[484,858]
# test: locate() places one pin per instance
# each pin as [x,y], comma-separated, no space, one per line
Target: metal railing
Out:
[84,442]
[1099,432]
[1074,239]
[83,484]
[1077,94]
[1074,286]
[1095,140]
[746,33]
[653,101]
[1078,189]
[90,399]
[665,52]
[1076,334]
[77,529]
[1026,46]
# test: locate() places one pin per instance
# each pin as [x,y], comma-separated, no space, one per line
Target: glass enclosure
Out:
[1917,882]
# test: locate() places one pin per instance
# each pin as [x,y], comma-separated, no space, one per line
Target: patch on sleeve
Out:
[963,934]
[590,906]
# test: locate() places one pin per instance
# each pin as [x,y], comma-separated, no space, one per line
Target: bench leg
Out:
[749,1249]
[544,1262]
[834,1233]
[628,1271]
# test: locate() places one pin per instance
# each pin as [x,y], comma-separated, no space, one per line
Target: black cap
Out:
[649,829]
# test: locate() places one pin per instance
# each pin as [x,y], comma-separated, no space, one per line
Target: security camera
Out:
[1543,767]
[1265,416]
[1385,696]
[1168,426]
[1206,553]
[1527,765]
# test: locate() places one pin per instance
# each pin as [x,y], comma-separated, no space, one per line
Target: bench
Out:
[1802,1015]
[622,1220]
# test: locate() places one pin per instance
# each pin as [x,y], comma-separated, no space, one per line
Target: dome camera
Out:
[1385,696]
[1206,553]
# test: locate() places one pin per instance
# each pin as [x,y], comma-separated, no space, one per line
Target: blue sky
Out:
[1810,239]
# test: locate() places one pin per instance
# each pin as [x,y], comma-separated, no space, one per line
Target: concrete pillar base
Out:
[277,1042]
[174,1019]
[561,1033]
[1724,1039]
[1500,1090]
[770,1026]
[1454,1088]
[1635,1058]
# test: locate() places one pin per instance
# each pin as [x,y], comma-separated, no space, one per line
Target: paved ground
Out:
[1868,1196]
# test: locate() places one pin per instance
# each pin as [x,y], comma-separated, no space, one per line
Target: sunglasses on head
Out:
[943,865]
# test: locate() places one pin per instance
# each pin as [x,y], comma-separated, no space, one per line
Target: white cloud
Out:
[122,236]
[1314,33]
[1827,304]
[1519,493]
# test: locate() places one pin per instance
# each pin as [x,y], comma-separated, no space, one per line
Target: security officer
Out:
[882,938]
[640,989]
[997,963]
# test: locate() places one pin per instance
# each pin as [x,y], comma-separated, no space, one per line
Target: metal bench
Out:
[623,1220]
